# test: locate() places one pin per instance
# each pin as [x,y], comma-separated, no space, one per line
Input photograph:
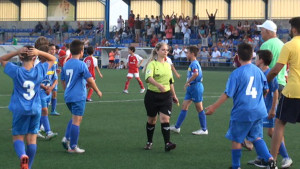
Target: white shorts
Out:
[136,75]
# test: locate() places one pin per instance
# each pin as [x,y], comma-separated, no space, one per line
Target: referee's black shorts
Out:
[158,103]
[288,110]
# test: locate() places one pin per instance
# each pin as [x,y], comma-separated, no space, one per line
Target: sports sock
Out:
[53,104]
[46,124]
[262,149]
[31,151]
[19,148]
[181,118]
[127,83]
[68,130]
[74,135]
[90,93]
[140,83]
[165,129]
[236,156]
[150,130]
[283,151]
[202,120]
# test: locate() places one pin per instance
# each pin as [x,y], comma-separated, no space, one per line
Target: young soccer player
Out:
[91,63]
[159,95]
[134,61]
[246,85]
[25,101]
[74,76]
[263,61]
[52,51]
[111,59]
[194,93]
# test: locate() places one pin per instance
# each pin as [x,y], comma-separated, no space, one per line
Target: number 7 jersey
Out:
[25,98]
[246,85]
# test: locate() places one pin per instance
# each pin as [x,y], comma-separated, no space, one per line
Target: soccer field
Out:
[113,131]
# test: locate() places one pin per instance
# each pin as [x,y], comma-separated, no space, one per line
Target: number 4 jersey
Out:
[25,98]
[246,85]
[75,73]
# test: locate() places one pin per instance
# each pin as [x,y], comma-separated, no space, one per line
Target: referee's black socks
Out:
[165,129]
[150,130]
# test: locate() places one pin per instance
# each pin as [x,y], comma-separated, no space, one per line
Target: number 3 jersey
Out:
[75,73]
[25,98]
[246,85]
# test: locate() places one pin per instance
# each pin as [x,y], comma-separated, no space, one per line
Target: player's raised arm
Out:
[5,58]
[211,109]
[50,58]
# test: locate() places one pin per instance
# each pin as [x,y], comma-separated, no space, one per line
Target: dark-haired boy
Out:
[194,93]
[134,61]
[74,76]
[92,63]
[263,61]
[25,103]
[246,85]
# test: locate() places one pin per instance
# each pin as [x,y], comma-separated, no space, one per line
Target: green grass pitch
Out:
[113,131]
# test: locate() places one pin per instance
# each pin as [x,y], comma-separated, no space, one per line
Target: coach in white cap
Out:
[272,43]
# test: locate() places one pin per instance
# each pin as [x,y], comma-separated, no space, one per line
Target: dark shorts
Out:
[280,88]
[288,110]
[158,103]
[111,61]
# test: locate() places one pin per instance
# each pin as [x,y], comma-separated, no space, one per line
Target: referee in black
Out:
[159,95]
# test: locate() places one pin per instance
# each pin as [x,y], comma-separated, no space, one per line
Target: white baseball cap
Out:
[269,25]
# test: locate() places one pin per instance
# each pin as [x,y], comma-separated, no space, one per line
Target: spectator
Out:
[212,20]
[169,34]
[154,41]
[131,24]
[215,56]
[120,23]
[176,54]
[111,59]
[204,40]
[99,28]
[56,27]
[240,27]
[246,27]
[235,34]
[90,25]
[64,27]
[187,35]
[131,14]
[146,21]
[195,24]
[227,33]
[225,44]
[165,40]
[227,55]
[163,28]
[149,34]
[174,22]
[204,57]
[183,54]
[220,44]
[122,65]
[104,42]
[157,27]
[201,31]
[47,29]
[222,29]
[79,30]
[14,40]
[117,38]
[177,30]
[152,22]
[38,28]
[137,26]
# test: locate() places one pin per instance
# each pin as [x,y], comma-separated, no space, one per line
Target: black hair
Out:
[132,48]
[245,51]
[295,23]
[76,47]
[194,50]
[90,50]
[266,56]
[24,57]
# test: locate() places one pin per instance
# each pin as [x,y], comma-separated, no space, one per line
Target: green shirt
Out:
[275,45]
[161,73]
[15,41]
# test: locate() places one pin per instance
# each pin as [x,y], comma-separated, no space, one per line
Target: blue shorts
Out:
[269,123]
[238,131]
[194,92]
[55,88]
[25,124]
[117,61]
[77,108]
[45,101]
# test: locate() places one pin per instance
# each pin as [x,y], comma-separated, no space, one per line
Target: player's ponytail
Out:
[153,55]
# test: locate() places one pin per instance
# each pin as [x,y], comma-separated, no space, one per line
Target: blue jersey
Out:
[75,73]
[246,85]
[194,68]
[49,80]
[273,86]
[26,94]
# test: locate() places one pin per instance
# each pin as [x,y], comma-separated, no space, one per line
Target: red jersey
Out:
[89,61]
[133,62]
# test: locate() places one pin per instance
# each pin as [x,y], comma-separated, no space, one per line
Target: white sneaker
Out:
[200,132]
[66,143]
[286,162]
[174,129]
[142,91]
[50,135]
[76,150]
[39,134]
[42,128]
[125,91]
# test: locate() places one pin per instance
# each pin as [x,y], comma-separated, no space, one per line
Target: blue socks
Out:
[45,123]
[236,156]
[181,118]
[202,120]
[282,151]
[74,134]
[68,129]
[31,151]
[19,148]
[53,103]
[262,150]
